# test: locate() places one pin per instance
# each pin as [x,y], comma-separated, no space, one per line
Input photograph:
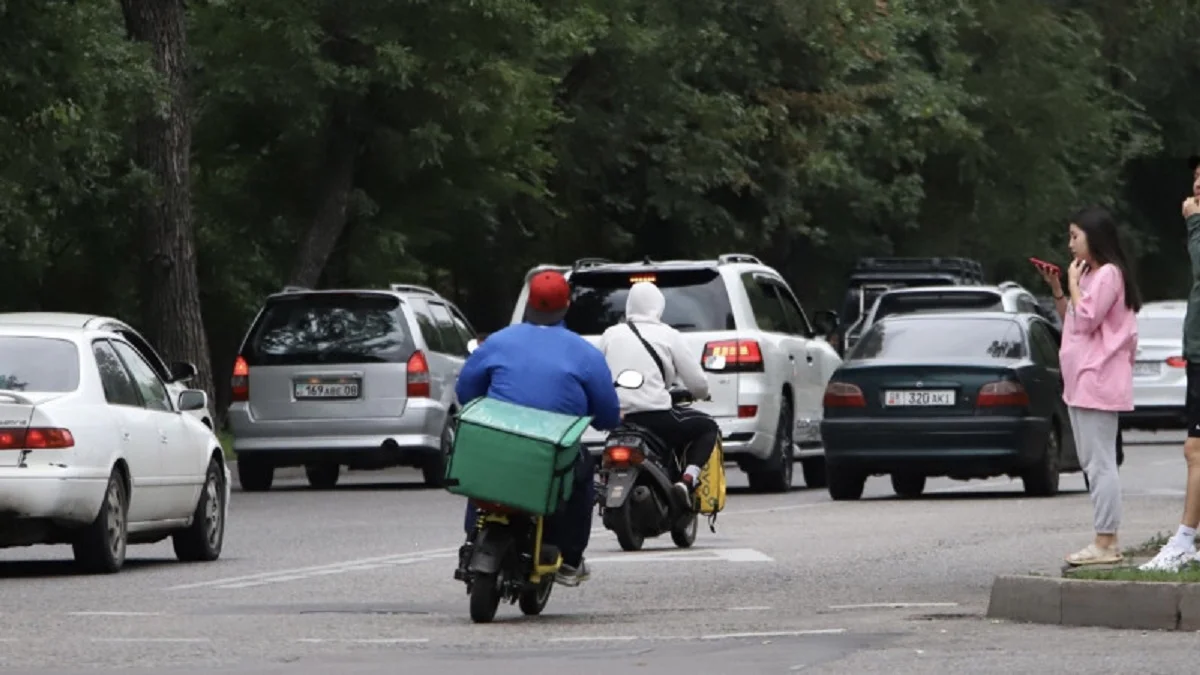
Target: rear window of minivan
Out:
[38,364]
[314,328]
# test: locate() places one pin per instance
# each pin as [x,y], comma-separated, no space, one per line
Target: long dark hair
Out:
[1104,243]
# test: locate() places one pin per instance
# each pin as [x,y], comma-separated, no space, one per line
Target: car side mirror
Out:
[825,322]
[472,345]
[192,399]
[182,371]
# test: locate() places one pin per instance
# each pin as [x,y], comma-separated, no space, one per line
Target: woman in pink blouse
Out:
[1098,345]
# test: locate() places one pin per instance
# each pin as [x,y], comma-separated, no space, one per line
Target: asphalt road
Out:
[358,580]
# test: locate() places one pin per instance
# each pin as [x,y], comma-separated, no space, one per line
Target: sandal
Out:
[1094,555]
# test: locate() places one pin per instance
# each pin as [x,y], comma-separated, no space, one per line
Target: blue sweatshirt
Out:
[543,367]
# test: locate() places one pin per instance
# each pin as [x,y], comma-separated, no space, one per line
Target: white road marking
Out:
[162,640]
[115,613]
[596,638]
[364,640]
[715,636]
[752,608]
[687,555]
[774,633]
[318,570]
[895,605]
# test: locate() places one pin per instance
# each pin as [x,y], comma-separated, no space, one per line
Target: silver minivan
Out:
[356,378]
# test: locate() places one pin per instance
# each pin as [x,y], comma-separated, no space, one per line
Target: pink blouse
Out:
[1098,344]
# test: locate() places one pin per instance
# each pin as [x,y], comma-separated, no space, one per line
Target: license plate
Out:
[1147,368]
[923,397]
[326,390]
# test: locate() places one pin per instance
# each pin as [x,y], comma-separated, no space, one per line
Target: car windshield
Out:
[330,328]
[38,364]
[948,337]
[911,302]
[696,299]
[1160,328]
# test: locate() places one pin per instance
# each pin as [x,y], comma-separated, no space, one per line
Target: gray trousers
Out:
[1096,442]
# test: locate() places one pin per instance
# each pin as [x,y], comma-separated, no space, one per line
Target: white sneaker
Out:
[1171,557]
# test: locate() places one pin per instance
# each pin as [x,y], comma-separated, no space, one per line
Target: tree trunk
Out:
[170,290]
[333,199]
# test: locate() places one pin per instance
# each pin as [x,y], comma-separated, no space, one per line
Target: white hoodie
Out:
[624,351]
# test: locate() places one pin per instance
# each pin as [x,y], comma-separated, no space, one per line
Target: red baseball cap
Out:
[549,297]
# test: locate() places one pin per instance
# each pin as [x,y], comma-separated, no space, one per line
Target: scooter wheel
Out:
[533,600]
[684,534]
[485,598]
[621,523]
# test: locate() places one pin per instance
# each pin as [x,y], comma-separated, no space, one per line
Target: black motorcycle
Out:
[636,476]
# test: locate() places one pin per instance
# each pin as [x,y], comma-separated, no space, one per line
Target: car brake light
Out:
[747,411]
[622,455]
[844,395]
[740,355]
[36,438]
[1177,362]
[1003,393]
[418,376]
[239,383]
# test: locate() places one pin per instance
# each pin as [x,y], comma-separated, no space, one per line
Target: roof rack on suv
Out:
[412,288]
[295,289]
[589,262]
[1009,285]
[727,258]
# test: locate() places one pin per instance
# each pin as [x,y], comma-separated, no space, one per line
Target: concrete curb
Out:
[1139,605]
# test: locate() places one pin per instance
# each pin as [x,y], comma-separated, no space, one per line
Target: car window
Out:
[792,310]
[119,388]
[334,328]
[765,303]
[452,341]
[148,353]
[462,325]
[429,330]
[152,389]
[1026,304]
[38,364]
[696,299]
[941,338]
[917,302]
[1044,342]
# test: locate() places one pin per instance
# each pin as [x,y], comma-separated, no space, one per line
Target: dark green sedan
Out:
[964,395]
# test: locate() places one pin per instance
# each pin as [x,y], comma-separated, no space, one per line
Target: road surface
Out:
[358,580]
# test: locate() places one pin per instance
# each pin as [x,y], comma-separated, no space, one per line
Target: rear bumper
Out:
[65,496]
[972,446]
[1156,417]
[371,442]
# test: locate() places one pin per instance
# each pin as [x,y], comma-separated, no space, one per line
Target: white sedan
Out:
[1159,369]
[95,451]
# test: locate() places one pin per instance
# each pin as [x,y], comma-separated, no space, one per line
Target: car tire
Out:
[434,470]
[844,484]
[1041,479]
[814,472]
[908,485]
[777,477]
[203,540]
[100,547]
[322,475]
[254,475]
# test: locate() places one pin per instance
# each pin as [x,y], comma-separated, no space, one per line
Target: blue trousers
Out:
[570,527]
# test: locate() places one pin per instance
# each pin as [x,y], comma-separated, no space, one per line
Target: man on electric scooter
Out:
[645,344]
[540,364]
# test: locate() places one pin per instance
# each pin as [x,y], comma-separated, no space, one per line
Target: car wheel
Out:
[322,475]
[814,472]
[908,485]
[434,470]
[778,475]
[1041,479]
[100,547]
[844,484]
[203,539]
[254,475]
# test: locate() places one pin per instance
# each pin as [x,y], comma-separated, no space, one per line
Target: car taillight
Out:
[740,356]
[620,455]
[844,395]
[239,382]
[36,438]
[1003,393]
[418,376]
[1177,362]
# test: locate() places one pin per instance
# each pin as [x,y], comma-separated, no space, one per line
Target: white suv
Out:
[768,397]
[1159,373]
[1008,296]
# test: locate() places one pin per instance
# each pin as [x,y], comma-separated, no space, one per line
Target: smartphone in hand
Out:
[1044,266]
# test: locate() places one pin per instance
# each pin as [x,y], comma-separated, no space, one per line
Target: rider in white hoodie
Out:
[650,406]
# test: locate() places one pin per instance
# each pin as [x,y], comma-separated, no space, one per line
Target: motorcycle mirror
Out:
[630,379]
[472,345]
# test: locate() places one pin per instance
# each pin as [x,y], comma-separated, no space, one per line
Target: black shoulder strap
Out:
[653,353]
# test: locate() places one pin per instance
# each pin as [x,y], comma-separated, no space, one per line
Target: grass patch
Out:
[226,439]
[1189,574]
[1148,548]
